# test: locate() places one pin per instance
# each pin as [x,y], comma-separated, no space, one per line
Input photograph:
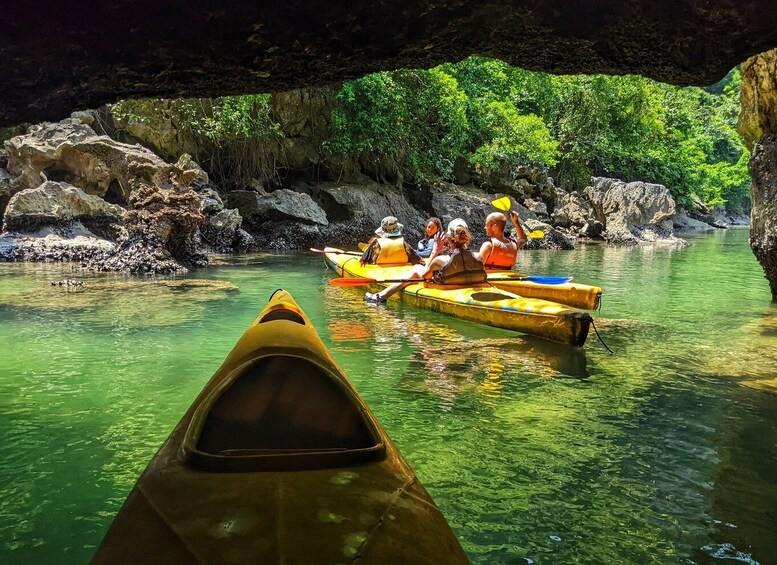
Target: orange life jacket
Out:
[502,256]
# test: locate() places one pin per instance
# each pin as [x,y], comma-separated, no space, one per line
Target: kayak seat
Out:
[284,404]
[282,314]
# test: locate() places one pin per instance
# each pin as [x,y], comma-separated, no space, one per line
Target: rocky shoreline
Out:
[69,194]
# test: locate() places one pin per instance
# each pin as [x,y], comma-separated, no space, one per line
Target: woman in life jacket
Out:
[461,267]
[426,245]
[499,251]
[388,247]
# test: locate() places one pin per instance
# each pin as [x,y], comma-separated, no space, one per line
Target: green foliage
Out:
[489,113]
[231,118]
[414,126]
[413,122]
[234,138]
[510,137]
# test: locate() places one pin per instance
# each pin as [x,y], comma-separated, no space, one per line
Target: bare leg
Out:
[414,273]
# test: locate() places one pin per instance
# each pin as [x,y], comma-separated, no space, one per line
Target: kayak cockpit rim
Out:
[281,412]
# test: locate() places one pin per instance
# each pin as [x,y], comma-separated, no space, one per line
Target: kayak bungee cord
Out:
[600,337]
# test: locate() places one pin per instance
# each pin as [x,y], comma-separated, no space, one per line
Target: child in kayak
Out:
[460,267]
[499,251]
[388,247]
[426,245]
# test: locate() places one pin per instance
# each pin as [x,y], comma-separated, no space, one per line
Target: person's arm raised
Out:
[520,236]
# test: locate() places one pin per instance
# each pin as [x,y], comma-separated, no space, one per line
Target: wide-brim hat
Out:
[389,227]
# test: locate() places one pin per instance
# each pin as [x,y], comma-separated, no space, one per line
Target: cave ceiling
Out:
[57,57]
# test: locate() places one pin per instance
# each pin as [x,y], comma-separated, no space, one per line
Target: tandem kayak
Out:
[279,461]
[576,295]
[480,303]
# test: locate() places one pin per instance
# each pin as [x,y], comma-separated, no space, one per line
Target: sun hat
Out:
[456,222]
[389,227]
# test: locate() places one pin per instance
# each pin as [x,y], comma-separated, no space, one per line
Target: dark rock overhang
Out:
[60,56]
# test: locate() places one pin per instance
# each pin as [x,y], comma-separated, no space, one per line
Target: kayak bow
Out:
[279,461]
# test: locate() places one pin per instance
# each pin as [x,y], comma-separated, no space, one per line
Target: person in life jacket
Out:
[499,251]
[460,267]
[426,245]
[388,247]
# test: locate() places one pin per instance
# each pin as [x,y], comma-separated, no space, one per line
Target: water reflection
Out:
[443,360]
[749,354]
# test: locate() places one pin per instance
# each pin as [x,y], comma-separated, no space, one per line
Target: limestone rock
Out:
[758,98]
[221,231]
[537,206]
[283,204]
[553,238]
[356,209]
[763,227]
[627,209]
[57,203]
[684,222]
[163,212]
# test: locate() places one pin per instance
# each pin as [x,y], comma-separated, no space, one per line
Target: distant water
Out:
[665,452]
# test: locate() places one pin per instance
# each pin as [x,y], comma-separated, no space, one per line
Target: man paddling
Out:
[499,251]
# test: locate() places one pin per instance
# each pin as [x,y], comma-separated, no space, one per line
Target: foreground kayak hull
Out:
[279,461]
[482,303]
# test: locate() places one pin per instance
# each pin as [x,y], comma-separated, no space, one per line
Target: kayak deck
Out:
[279,460]
[576,295]
[481,303]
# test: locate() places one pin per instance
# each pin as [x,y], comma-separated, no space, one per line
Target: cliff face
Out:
[758,125]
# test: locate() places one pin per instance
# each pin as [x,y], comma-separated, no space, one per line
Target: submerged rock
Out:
[127,303]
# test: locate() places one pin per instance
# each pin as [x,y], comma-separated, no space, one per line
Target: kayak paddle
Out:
[335,251]
[505,205]
[357,281]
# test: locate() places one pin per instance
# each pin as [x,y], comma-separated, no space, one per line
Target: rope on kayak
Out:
[600,337]
[276,291]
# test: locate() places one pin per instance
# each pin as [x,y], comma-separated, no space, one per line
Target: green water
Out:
[536,453]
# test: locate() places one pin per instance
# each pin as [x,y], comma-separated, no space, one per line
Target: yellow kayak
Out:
[572,294]
[481,303]
[279,461]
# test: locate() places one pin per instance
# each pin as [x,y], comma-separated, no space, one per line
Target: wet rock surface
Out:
[763,230]
[94,174]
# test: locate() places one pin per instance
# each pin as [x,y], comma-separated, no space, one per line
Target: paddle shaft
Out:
[336,251]
[358,281]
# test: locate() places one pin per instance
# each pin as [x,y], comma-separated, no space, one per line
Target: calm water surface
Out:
[665,452]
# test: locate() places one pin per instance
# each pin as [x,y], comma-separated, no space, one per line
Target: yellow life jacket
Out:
[391,251]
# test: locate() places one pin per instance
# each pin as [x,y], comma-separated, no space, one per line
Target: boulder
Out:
[630,210]
[58,204]
[355,210]
[682,221]
[573,210]
[74,243]
[553,238]
[281,205]
[222,231]
[537,206]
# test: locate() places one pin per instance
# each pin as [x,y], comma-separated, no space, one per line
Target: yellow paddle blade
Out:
[502,203]
[536,234]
